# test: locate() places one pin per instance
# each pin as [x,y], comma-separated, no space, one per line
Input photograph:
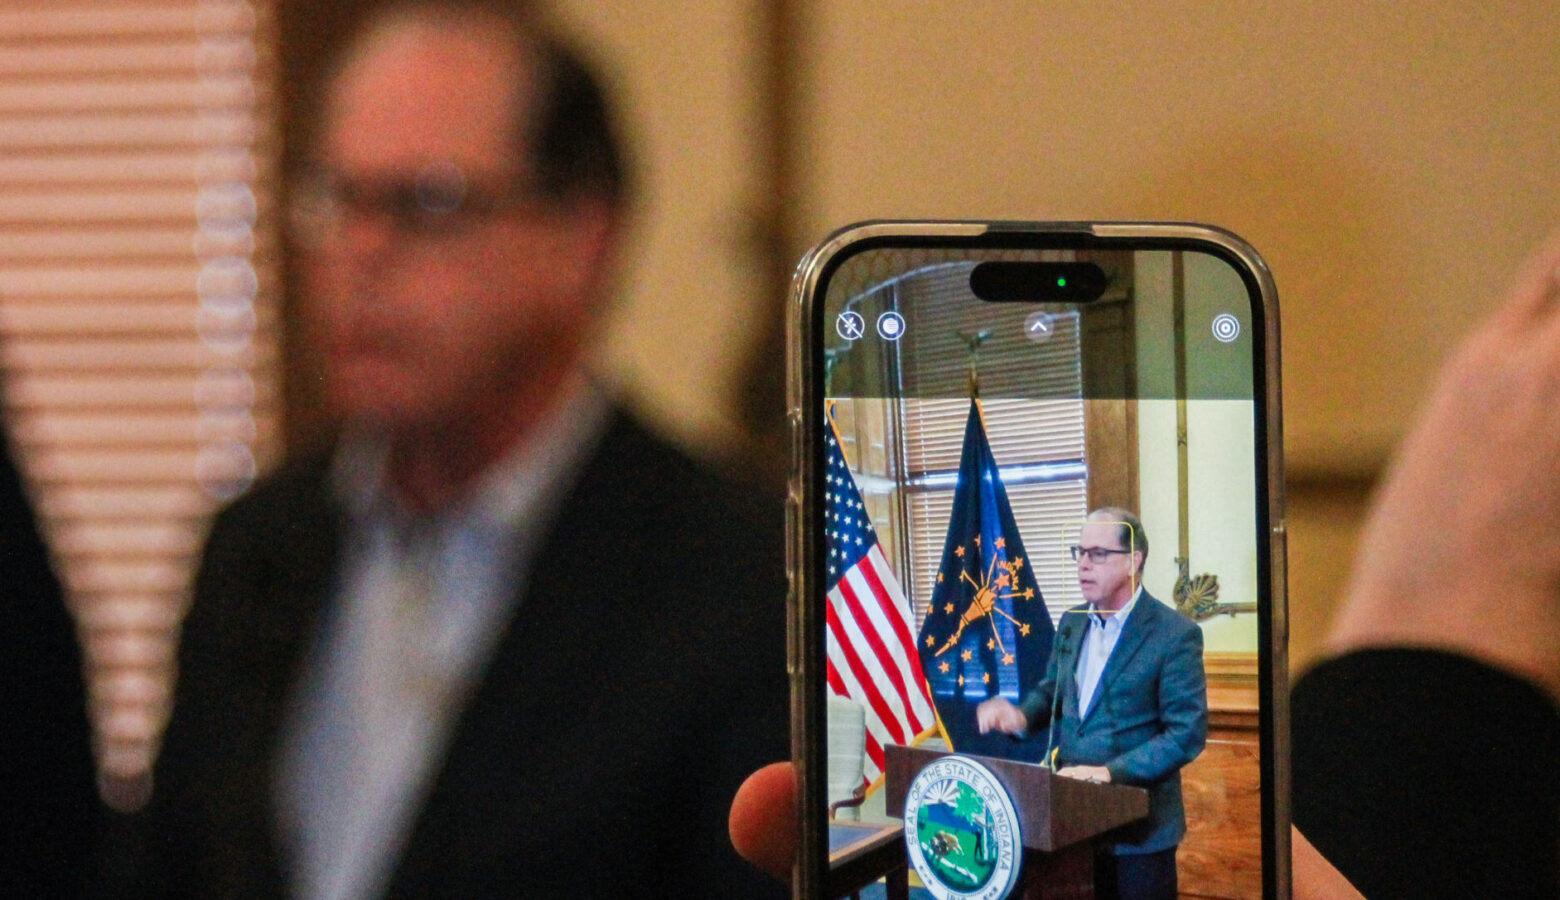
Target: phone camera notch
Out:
[1038,282]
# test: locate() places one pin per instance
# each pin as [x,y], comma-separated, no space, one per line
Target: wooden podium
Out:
[1060,819]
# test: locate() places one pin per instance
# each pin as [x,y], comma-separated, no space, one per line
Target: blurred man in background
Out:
[499,640]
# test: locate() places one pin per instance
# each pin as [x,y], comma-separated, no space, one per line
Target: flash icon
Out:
[850,325]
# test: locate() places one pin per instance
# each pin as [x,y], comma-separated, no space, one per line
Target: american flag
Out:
[870,640]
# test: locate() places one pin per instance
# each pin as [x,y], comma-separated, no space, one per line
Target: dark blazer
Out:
[642,678]
[49,810]
[1149,718]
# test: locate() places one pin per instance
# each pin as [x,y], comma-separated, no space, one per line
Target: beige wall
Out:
[1388,159]
[1220,447]
[1391,161]
[685,73]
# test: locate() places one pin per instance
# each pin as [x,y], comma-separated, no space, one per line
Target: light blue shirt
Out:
[419,607]
[1099,642]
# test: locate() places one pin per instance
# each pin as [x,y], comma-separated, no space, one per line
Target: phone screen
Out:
[1042,531]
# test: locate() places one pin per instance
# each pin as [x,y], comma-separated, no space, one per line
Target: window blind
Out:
[1048,501]
[1038,443]
[905,452]
[138,314]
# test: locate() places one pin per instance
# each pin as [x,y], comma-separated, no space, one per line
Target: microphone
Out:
[1057,654]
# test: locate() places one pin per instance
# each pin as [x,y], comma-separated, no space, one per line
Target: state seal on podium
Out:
[962,831]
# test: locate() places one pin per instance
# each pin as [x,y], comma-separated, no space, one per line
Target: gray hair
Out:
[1130,531]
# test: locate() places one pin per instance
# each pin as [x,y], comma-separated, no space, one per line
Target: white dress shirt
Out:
[419,606]
[1099,642]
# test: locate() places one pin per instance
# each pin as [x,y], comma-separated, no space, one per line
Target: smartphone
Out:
[1036,522]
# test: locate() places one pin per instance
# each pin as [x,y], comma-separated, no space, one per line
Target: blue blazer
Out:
[1149,718]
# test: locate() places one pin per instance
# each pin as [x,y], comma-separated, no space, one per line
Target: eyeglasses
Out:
[440,202]
[1096,555]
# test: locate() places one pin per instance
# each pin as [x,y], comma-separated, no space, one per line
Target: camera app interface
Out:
[1043,502]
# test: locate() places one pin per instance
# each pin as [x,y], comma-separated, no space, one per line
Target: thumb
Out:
[763,820]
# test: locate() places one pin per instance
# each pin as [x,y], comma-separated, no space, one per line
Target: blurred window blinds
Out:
[138,314]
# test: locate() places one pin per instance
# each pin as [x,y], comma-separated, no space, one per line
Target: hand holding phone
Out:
[995,424]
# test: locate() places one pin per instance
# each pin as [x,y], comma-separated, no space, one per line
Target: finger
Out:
[1314,877]
[1544,281]
[763,820]
[1536,293]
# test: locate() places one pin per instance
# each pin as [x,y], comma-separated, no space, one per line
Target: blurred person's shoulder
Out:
[665,478]
[293,501]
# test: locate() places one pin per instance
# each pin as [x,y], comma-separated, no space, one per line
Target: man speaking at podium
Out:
[1126,689]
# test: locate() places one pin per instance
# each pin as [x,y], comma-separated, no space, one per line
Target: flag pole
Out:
[972,344]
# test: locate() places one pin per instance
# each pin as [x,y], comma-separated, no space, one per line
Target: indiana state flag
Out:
[987,631]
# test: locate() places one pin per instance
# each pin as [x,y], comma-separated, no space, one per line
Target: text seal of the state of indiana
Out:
[962,831]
